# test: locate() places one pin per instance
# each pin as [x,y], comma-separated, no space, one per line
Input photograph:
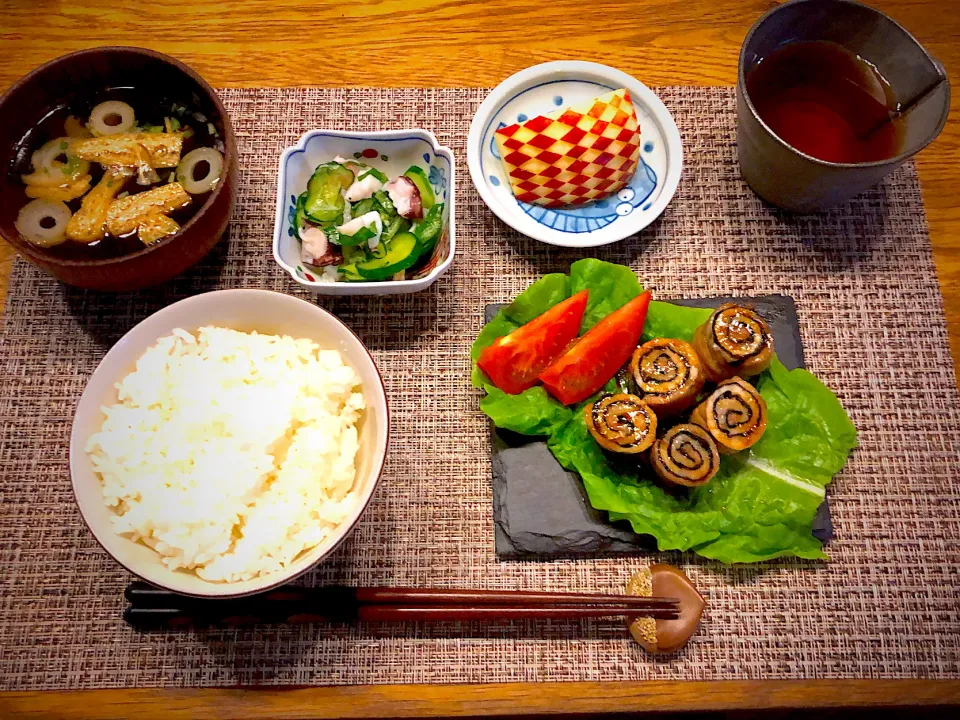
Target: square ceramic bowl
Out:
[246,310]
[391,152]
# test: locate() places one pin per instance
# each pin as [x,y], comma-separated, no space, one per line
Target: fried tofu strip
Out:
[126,214]
[69,190]
[162,149]
[87,223]
[155,226]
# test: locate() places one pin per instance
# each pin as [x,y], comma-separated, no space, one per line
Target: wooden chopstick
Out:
[505,598]
[143,594]
[156,608]
[395,613]
[153,618]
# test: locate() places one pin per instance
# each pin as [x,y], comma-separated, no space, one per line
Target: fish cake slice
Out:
[69,190]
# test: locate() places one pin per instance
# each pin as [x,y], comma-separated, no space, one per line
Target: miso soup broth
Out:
[84,164]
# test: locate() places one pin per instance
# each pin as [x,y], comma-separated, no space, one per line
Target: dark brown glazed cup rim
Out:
[896,159]
[229,146]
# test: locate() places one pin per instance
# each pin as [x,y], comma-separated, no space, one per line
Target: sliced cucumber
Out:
[343,173]
[354,254]
[402,252]
[349,273]
[325,192]
[419,178]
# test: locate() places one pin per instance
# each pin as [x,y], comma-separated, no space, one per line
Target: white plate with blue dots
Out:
[543,89]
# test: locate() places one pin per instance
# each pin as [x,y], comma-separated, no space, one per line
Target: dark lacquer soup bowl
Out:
[81,78]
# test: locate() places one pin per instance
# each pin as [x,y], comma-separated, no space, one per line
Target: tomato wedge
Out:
[599,354]
[514,361]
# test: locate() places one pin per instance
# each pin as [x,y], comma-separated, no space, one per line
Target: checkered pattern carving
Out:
[575,156]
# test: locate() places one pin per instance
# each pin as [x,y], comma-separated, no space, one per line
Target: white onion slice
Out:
[35,215]
[112,110]
[199,186]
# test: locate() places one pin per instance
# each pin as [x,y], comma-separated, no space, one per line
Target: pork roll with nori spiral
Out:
[734,414]
[686,455]
[621,423]
[668,373]
[734,341]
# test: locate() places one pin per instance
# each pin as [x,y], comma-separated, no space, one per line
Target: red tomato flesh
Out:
[514,361]
[599,354]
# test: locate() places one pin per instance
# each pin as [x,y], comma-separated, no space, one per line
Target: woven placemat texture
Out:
[872,322]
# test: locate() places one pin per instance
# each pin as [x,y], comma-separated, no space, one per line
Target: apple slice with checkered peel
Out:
[573,156]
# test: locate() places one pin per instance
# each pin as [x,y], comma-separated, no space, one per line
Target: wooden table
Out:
[473,43]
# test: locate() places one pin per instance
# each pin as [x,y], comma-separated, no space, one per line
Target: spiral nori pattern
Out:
[668,374]
[735,415]
[736,340]
[621,423]
[685,455]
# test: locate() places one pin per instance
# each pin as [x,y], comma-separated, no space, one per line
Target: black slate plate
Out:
[541,510]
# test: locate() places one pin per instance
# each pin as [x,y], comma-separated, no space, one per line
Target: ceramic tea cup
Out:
[794,180]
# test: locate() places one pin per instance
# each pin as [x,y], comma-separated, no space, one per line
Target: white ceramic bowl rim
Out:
[399,135]
[222,590]
[507,90]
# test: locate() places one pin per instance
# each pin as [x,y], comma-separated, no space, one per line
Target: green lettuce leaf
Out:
[611,286]
[538,298]
[808,433]
[744,514]
[759,506]
[665,320]
[532,412]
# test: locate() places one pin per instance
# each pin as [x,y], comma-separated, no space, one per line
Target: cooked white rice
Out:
[231,453]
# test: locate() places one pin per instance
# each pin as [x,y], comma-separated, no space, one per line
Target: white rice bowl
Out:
[230,453]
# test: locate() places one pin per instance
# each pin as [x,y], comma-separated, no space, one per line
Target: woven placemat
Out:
[871,316]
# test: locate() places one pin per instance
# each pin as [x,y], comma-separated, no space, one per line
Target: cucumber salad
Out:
[354,224]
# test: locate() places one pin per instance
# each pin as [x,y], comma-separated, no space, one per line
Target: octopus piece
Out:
[317,250]
[126,214]
[158,150]
[362,189]
[406,198]
[87,224]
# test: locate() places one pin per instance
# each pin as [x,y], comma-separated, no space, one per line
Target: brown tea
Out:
[826,102]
